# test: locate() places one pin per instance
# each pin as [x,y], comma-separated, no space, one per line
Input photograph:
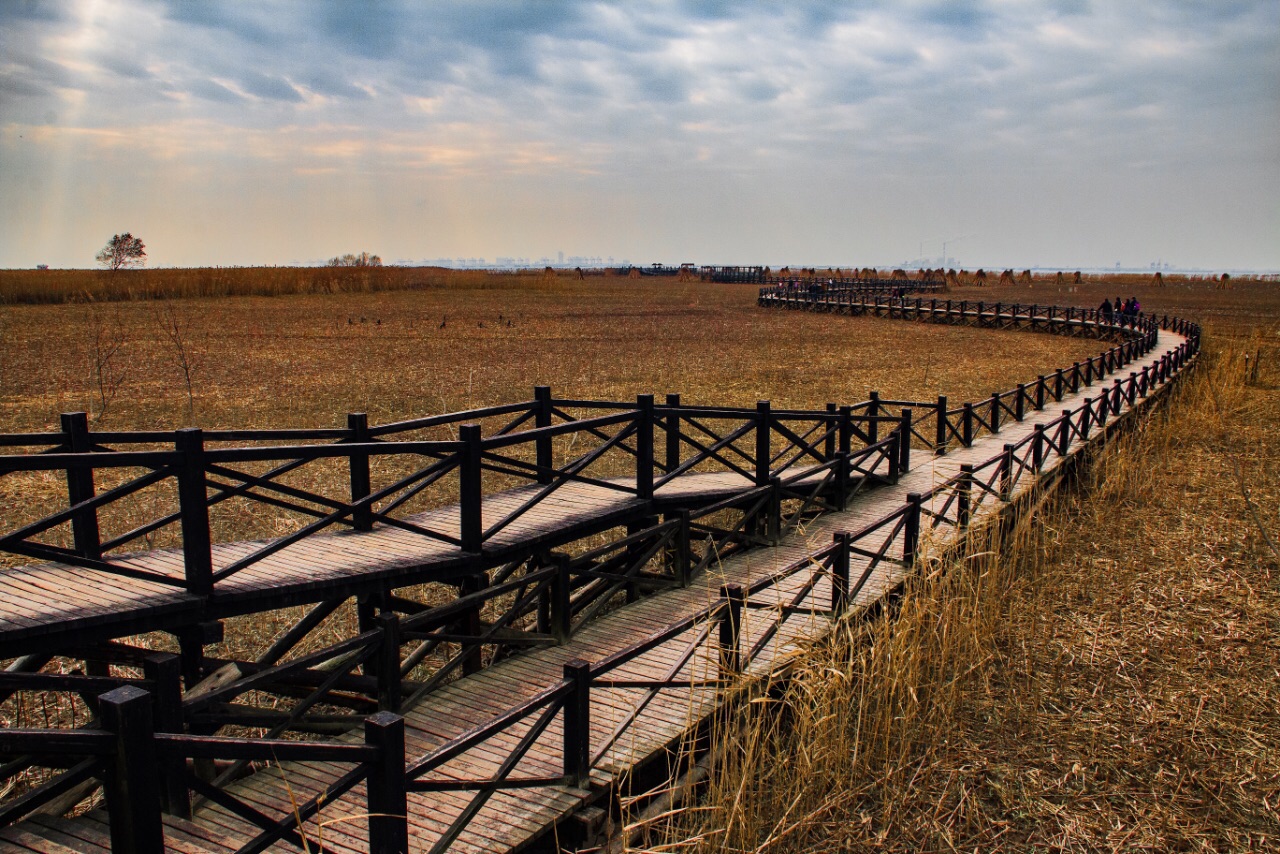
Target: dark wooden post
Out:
[683,550]
[995,412]
[164,671]
[133,801]
[966,426]
[362,516]
[673,432]
[764,446]
[644,447]
[1006,472]
[386,792]
[193,506]
[561,604]
[84,523]
[1075,377]
[873,410]
[842,481]
[840,573]
[577,723]
[388,661]
[964,495]
[904,443]
[733,598]
[542,445]
[911,530]
[846,429]
[1117,397]
[831,426]
[1064,433]
[940,429]
[773,513]
[1040,392]
[470,493]
[1037,448]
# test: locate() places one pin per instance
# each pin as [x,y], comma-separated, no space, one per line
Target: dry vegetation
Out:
[1105,678]
[1106,681]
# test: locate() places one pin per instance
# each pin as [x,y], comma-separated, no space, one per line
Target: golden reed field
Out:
[1106,677]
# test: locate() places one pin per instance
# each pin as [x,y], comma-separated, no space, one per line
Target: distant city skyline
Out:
[811,131]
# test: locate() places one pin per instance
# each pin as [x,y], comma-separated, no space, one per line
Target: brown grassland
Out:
[1105,679]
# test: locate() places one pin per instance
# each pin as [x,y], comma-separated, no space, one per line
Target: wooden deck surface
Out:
[511,819]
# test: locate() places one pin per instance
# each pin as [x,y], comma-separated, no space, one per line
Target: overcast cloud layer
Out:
[1067,133]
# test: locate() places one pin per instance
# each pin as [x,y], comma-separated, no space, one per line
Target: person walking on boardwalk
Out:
[1106,311]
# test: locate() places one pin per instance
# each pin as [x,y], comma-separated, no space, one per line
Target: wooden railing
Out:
[791,465]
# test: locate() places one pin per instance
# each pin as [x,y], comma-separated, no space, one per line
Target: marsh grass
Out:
[1103,677]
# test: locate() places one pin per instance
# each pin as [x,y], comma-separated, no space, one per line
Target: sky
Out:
[1021,133]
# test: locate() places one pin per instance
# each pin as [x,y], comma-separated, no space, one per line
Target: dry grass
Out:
[1105,679]
[89,286]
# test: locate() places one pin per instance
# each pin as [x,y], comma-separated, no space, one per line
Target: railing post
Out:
[773,519]
[1064,433]
[1058,382]
[684,557]
[995,412]
[831,427]
[1040,392]
[164,671]
[904,443]
[386,795]
[388,659]
[1117,396]
[84,524]
[911,530]
[842,481]
[133,801]
[644,447]
[193,506]
[673,432]
[1075,377]
[470,488]
[966,425]
[561,604]
[940,429]
[840,573]
[873,410]
[1006,472]
[764,446]
[1037,448]
[846,429]
[361,516]
[1019,403]
[964,495]
[577,723]
[732,598]
[542,445]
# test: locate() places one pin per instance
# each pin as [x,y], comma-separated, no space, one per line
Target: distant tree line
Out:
[364,259]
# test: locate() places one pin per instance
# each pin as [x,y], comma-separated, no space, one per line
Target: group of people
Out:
[1126,308]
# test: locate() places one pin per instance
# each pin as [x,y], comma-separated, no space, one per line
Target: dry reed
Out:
[1103,678]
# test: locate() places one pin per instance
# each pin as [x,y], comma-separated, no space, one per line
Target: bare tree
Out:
[108,373]
[123,250]
[177,328]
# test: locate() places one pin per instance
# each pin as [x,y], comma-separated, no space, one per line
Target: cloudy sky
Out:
[1058,133]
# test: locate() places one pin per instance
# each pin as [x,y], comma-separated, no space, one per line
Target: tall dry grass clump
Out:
[1100,678]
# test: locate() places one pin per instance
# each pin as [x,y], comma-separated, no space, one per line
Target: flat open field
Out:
[306,360]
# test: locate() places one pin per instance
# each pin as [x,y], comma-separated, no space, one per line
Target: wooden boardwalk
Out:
[54,598]
[787,603]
